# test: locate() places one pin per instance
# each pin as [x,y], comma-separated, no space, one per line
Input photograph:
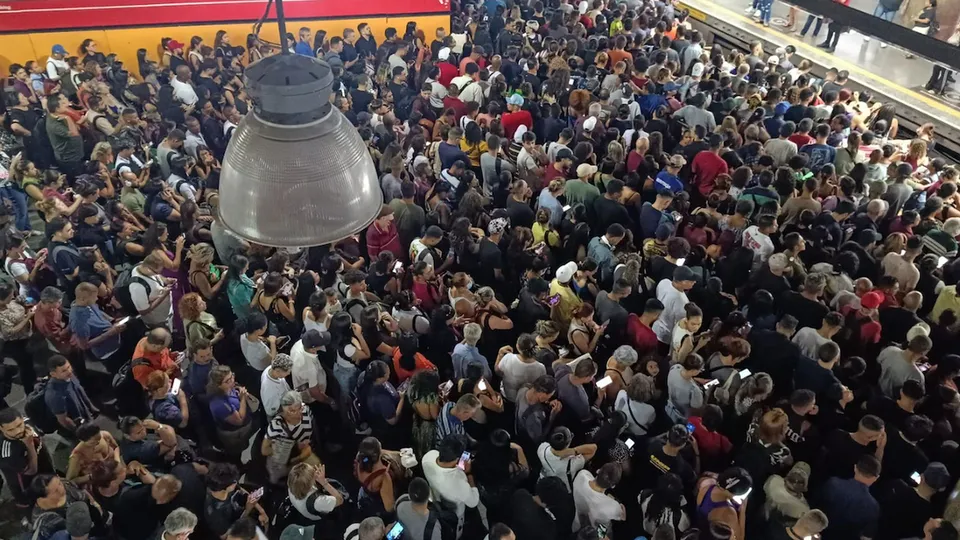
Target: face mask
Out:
[333,309]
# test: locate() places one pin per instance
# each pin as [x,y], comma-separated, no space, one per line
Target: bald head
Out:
[912,300]
[166,488]
[862,286]
[875,208]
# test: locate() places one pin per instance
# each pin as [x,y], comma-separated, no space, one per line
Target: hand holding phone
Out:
[604,382]
[175,388]
[395,532]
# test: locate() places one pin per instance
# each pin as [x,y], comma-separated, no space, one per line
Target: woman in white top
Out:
[258,350]
[304,486]
[347,340]
[558,459]
[317,314]
[520,368]
[635,400]
[409,316]
[681,341]
[464,302]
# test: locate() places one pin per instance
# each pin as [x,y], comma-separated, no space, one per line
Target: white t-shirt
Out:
[760,243]
[307,371]
[17,269]
[271,390]
[673,301]
[640,416]
[676,339]
[256,352]
[315,505]
[184,92]
[450,485]
[141,297]
[516,373]
[186,188]
[565,469]
[809,341]
[598,507]
[123,164]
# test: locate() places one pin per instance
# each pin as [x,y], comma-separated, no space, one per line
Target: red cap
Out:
[173,45]
[871,300]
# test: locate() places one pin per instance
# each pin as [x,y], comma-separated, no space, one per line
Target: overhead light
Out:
[296,172]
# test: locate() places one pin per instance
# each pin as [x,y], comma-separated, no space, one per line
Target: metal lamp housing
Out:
[296,173]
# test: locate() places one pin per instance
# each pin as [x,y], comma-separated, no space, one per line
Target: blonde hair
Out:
[546,329]
[102,149]
[301,480]
[772,427]
[201,252]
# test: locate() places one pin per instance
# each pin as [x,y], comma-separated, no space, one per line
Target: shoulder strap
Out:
[430,526]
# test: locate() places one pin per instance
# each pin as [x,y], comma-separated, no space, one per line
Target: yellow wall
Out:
[19,48]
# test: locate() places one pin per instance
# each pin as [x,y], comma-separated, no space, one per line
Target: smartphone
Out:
[740,498]
[903,252]
[257,493]
[714,382]
[629,443]
[744,373]
[124,320]
[566,208]
[175,389]
[604,382]
[923,366]
[464,458]
[482,386]
[395,532]
[571,80]
[691,428]
[915,477]
[554,300]
[941,261]
[397,267]
[680,261]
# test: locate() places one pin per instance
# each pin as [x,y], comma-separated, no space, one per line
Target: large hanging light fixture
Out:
[296,172]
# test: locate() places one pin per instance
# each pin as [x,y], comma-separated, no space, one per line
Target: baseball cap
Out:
[565,273]
[498,225]
[590,123]
[697,70]
[798,477]
[443,53]
[781,108]
[935,475]
[585,169]
[533,25]
[736,480]
[297,532]
[671,87]
[921,328]
[778,262]
[871,300]
[58,49]
[515,99]
[173,45]
[315,338]
[564,153]
[682,273]
[773,59]
[676,161]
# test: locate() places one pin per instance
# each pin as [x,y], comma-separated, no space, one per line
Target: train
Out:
[30,28]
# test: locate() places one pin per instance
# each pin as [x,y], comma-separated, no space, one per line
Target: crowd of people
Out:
[623,284]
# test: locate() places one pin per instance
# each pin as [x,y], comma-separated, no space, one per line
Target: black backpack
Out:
[121,290]
[36,410]
[404,106]
[131,399]
[444,515]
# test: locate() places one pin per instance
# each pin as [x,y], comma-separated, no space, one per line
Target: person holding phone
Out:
[451,482]
[226,502]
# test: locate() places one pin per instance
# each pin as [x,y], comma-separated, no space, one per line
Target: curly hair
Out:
[189,306]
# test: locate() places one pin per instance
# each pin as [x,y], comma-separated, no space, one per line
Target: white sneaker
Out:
[749,9]
[883,45]
[757,14]
[866,39]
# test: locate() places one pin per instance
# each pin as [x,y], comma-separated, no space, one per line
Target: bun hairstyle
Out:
[560,438]
[368,454]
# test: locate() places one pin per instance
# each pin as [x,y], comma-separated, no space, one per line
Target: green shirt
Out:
[67,148]
[133,199]
[410,220]
[580,192]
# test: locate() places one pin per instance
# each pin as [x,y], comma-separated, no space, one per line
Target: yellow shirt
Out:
[474,151]
[569,302]
[539,232]
[947,299]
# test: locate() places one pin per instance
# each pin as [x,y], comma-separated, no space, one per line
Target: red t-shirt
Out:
[459,107]
[800,139]
[551,172]
[869,332]
[706,167]
[447,72]
[641,336]
[511,121]
[710,443]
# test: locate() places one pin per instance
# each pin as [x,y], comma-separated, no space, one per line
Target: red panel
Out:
[40,15]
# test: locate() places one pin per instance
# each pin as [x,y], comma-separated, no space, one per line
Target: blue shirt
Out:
[223,406]
[463,356]
[67,397]
[668,181]
[195,379]
[547,200]
[447,424]
[651,218]
[820,155]
[167,410]
[89,322]
[850,508]
[303,48]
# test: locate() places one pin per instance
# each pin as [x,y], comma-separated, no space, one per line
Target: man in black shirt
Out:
[810,524]
[897,321]
[864,241]
[801,110]
[772,352]
[608,210]
[532,305]
[896,413]
[902,458]
[842,450]
[437,44]
[805,305]
[546,516]
[366,46]
[351,58]
[817,375]
[22,455]
[664,456]
[905,506]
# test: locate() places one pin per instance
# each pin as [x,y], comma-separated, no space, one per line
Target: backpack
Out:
[131,399]
[916,200]
[121,290]
[433,154]
[444,515]
[404,106]
[36,410]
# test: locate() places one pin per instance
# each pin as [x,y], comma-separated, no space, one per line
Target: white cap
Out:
[443,53]
[583,7]
[565,273]
[697,70]
[518,135]
[590,123]
[773,60]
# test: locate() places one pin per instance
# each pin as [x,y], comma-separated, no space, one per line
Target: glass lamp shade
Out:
[296,172]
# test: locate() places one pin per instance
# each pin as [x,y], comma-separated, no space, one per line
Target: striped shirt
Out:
[447,424]
[284,437]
